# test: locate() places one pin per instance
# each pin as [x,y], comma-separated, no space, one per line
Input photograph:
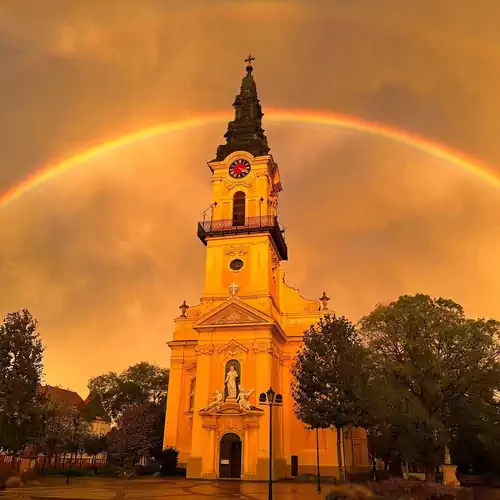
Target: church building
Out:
[242,338]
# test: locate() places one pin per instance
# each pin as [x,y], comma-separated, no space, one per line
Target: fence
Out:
[10,464]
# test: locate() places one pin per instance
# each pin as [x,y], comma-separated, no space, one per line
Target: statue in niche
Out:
[232,382]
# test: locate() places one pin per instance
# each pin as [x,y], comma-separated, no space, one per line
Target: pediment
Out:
[234,313]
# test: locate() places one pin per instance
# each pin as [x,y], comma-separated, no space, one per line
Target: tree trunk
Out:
[339,453]
[430,473]
[395,467]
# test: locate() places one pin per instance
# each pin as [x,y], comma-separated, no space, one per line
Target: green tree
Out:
[54,430]
[139,384]
[93,445]
[475,434]
[21,356]
[330,380]
[116,445]
[77,431]
[432,361]
[141,428]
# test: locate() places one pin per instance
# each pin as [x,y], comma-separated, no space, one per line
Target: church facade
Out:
[241,339]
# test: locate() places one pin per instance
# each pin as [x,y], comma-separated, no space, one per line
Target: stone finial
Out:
[183,307]
[324,301]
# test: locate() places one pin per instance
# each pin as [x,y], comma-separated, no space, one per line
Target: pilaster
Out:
[198,447]
[173,406]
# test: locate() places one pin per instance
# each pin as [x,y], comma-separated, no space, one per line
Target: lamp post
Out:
[270,398]
[318,486]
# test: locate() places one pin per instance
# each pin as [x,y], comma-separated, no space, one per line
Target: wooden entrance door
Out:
[230,457]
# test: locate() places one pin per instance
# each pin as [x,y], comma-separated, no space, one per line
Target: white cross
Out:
[233,288]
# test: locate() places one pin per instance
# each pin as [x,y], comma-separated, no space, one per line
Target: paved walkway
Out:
[158,488]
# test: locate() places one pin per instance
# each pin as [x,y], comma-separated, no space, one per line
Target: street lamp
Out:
[270,398]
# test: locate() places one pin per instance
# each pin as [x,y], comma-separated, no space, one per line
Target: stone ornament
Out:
[206,349]
[217,400]
[183,307]
[324,301]
[233,316]
[236,252]
[243,399]
[233,350]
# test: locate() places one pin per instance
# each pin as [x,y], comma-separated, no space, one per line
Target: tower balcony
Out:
[248,225]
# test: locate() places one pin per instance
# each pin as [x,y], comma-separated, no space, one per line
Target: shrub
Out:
[349,492]
[147,470]
[397,488]
[13,482]
[110,470]
[360,477]
[52,471]
[29,476]
[169,459]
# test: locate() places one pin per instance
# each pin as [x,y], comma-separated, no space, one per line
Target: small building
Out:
[91,409]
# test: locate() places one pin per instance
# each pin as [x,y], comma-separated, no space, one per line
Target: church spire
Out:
[245,132]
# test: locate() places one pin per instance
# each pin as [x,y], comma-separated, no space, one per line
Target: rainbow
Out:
[433,148]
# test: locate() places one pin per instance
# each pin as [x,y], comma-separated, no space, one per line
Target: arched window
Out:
[192,392]
[239,209]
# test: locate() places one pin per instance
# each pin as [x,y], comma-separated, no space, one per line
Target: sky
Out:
[104,253]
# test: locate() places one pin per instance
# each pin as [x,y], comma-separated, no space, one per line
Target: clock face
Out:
[239,168]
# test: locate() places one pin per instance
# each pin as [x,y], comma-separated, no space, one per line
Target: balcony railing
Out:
[264,223]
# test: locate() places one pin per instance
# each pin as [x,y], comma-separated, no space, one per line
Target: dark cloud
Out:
[104,253]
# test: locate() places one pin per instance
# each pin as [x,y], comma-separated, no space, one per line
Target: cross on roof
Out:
[249,59]
[233,288]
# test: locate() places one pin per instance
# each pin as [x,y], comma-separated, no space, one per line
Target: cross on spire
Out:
[233,288]
[249,59]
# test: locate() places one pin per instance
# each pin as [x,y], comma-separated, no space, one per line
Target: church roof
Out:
[91,408]
[245,132]
[62,396]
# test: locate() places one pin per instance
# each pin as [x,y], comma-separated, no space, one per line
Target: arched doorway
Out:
[239,199]
[230,457]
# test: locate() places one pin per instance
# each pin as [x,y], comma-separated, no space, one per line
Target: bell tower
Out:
[244,239]
[243,335]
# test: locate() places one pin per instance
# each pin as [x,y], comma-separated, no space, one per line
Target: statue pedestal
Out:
[230,400]
[449,475]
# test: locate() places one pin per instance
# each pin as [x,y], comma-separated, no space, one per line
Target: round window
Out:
[236,264]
